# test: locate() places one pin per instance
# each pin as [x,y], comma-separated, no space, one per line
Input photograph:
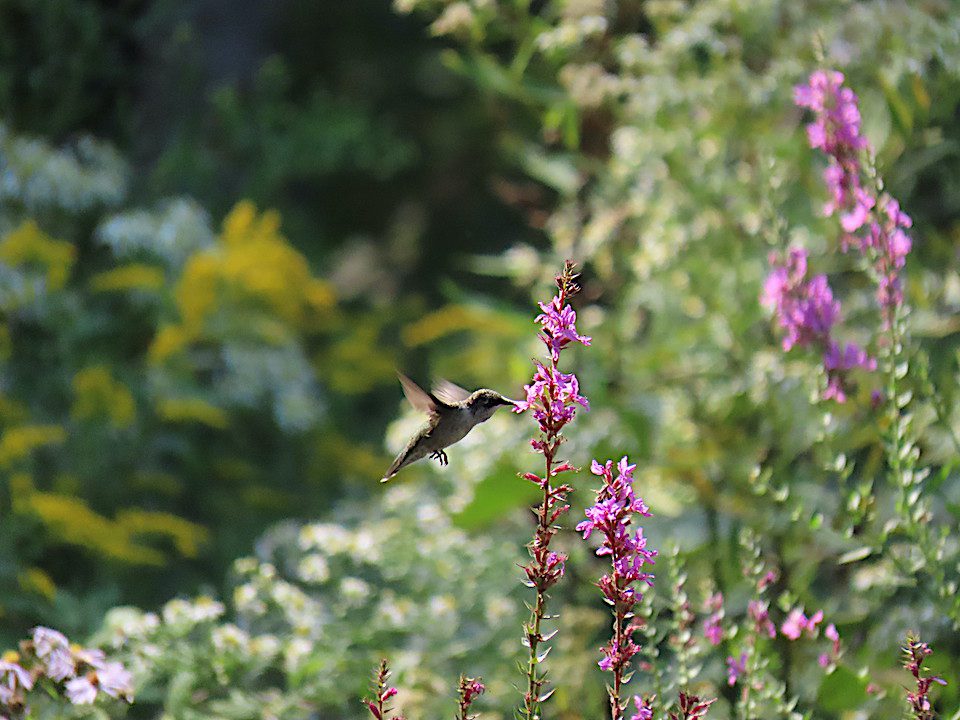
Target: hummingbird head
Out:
[484,403]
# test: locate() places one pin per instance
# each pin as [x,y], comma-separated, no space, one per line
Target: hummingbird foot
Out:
[441,456]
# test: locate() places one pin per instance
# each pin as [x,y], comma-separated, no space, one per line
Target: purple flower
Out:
[552,397]
[381,693]
[806,310]
[612,516]
[914,653]
[759,612]
[713,630]
[797,623]
[736,668]
[468,689]
[644,709]
[836,131]
[558,321]
[837,118]
[81,691]
[712,627]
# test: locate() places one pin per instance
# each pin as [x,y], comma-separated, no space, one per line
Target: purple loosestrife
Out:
[691,707]
[914,653]
[759,612]
[713,626]
[612,516]
[797,623]
[871,220]
[382,693]
[807,311]
[644,708]
[552,397]
[825,660]
[735,668]
[467,691]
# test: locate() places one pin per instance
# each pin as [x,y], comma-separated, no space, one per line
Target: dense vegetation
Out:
[221,233]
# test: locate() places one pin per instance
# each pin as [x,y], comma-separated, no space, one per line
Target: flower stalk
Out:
[552,397]
[914,653]
[467,691]
[382,692]
[612,516]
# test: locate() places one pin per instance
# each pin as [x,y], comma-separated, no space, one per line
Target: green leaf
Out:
[842,690]
[498,494]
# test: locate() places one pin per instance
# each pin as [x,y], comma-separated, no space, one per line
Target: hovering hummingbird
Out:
[453,413]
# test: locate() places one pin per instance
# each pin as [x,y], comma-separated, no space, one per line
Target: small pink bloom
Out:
[735,668]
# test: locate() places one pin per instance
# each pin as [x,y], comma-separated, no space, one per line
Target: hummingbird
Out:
[453,413]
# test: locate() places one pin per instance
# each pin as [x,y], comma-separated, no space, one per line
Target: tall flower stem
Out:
[914,653]
[467,690]
[551,397]
[874,224]
[612,516]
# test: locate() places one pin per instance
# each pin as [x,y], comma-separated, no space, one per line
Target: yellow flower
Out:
[169,340]
[97,394]
[451,319]
[36,580]
[185,535]
[196,293]
[192,410]
[18,442]
[135,276]
[29,245]
[72,521]
[251,268]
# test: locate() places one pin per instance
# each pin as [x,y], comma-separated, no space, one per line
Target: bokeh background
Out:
[225,225]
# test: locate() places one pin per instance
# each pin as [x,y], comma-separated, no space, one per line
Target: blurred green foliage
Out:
[171,384]
[168,390]
[160,386]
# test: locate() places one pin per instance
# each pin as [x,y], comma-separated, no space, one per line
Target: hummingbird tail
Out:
[398,463]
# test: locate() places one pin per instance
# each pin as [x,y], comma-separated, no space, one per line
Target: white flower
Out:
[12,675]
[80,691]
[247,601]
[115,680]
[60,664]
[354,590]
[45,641]
[296,650]
[91,656]
[265,647]
[181,612]
[326,537]
[314,568]
[229,638]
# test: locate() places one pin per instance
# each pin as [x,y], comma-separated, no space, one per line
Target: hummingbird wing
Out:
[418,397]
[448,392]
